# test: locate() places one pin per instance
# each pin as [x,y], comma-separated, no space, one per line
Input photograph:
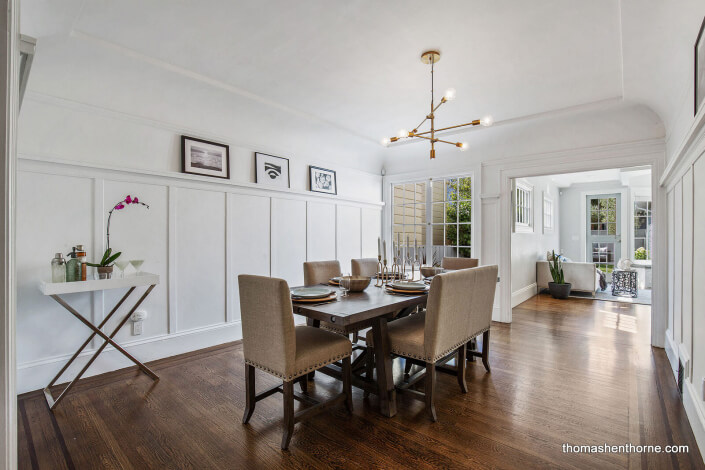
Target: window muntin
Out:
[642,229]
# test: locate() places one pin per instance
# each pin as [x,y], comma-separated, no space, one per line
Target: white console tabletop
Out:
[132,280]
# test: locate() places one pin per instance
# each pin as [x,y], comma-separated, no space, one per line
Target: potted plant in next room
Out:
[105,267]
[559,289]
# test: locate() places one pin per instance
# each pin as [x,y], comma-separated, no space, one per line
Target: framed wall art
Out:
[202,157]
[272,170]
[322,180]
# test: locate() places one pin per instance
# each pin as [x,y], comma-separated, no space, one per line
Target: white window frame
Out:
[523,207]
[548,214]
[632,228]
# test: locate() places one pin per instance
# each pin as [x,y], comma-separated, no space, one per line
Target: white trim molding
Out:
[523,294]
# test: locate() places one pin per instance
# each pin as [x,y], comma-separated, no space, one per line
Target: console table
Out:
[625,282]
[56,289]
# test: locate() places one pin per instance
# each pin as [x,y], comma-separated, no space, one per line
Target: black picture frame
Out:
[699,79]
[261,171]
[312,170]
[201,169]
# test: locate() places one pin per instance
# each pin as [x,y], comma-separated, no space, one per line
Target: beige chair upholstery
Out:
[364,267]
[271,342]
[319,272]
[459,263]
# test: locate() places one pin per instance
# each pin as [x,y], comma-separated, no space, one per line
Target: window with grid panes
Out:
[523,207]
[547,214]
[409,213]
[642,229]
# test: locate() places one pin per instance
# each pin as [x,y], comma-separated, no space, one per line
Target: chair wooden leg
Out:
[369,367]
[250,400]
[461,369]
[347,384]
[471,346]
[288,425]
[486,350]
[407,367]
[303,383]
[356,337]
[429,388]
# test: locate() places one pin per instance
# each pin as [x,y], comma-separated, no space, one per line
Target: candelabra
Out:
[382,271]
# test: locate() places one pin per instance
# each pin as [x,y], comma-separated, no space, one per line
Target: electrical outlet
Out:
[137,328]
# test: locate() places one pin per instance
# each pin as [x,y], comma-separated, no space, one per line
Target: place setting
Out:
[313,295]
[406,288]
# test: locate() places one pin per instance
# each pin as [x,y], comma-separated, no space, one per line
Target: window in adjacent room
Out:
[642,229]
[523,207]
[547,214]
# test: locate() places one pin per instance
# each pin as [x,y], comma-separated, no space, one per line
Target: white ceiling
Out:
[324,76]
[626,176]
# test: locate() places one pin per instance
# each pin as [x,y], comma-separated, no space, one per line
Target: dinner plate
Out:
[415,285]
[311,292]
[329,298]
[406,292]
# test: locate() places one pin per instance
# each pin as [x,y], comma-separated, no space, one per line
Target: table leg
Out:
[107,340]
[90,338]
[383,359]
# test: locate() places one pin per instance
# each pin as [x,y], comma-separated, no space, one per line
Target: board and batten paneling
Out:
[54,213]
[248,241]
[687,307]
[348,240]
[197,235]
[320,231]
[200,258]
[678,263]
[670,203]
[698,272]
[371,227]
[288,248]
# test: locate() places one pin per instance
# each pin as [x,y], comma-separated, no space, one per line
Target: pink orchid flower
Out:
[128,199]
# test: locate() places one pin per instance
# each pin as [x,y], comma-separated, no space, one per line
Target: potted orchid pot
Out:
[559,289]
[106,264]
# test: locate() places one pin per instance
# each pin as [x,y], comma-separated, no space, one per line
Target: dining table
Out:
[373,307]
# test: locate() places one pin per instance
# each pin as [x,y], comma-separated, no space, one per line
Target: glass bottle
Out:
[73,267]
[81,256]
[58,268]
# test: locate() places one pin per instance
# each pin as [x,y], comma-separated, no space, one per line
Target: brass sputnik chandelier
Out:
[431,57]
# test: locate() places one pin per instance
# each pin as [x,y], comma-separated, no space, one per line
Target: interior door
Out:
[604,231]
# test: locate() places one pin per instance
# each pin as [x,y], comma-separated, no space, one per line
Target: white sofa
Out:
[582,276]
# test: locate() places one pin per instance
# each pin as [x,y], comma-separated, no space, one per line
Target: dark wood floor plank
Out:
[579,372]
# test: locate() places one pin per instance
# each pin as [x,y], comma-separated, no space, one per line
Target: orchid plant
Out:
[108,257]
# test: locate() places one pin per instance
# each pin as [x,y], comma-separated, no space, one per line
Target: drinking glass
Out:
[121,265]
[137,264]
[345,284]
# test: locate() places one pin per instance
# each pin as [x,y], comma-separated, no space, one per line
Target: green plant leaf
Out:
[112,258]
[106,255]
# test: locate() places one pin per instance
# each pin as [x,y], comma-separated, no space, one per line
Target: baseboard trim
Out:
[671,352]
[35,375]
[695,412]
[523,294]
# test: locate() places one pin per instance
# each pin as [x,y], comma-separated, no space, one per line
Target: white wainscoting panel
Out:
[348,236]
[698,275]
[371,227]
[54,213]
[249,217]
[288,240]
[678,264]
[320,230]
[138,233]
[200,251]
[670,201]
[687,306]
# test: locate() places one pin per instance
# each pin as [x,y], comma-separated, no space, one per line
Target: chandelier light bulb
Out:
[487,121]
[386,141]
[464,146]
[450,94]
[403,133]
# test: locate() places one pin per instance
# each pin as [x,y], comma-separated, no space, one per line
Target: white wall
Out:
[528,247]
[199,233]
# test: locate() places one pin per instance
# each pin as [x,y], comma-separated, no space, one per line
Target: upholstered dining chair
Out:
[319,272]
[273,344]
[452,264]
[459,308]
[364,267]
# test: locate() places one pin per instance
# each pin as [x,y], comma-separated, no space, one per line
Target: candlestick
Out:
[384,250]
[379,246]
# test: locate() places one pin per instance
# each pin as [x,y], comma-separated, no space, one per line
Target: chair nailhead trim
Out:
[300,372]
[399,352]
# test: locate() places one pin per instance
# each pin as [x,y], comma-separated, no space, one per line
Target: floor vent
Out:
[681,371]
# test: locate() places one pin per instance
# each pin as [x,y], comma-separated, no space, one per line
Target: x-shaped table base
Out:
[108,340]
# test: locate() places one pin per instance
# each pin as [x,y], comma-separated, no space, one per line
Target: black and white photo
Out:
[322,180]
[271,170]
[700,69]
[201,157]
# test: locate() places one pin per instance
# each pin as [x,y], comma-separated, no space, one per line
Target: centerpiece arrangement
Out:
[106,264]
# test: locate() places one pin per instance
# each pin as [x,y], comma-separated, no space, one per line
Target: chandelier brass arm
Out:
[431,57]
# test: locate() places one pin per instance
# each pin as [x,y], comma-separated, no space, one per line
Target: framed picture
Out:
[201,157]
[271,170]
[322,180]
[700,69]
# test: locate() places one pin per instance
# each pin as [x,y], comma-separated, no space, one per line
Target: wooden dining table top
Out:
[358,307]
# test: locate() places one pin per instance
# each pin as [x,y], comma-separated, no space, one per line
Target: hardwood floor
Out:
[575,372]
